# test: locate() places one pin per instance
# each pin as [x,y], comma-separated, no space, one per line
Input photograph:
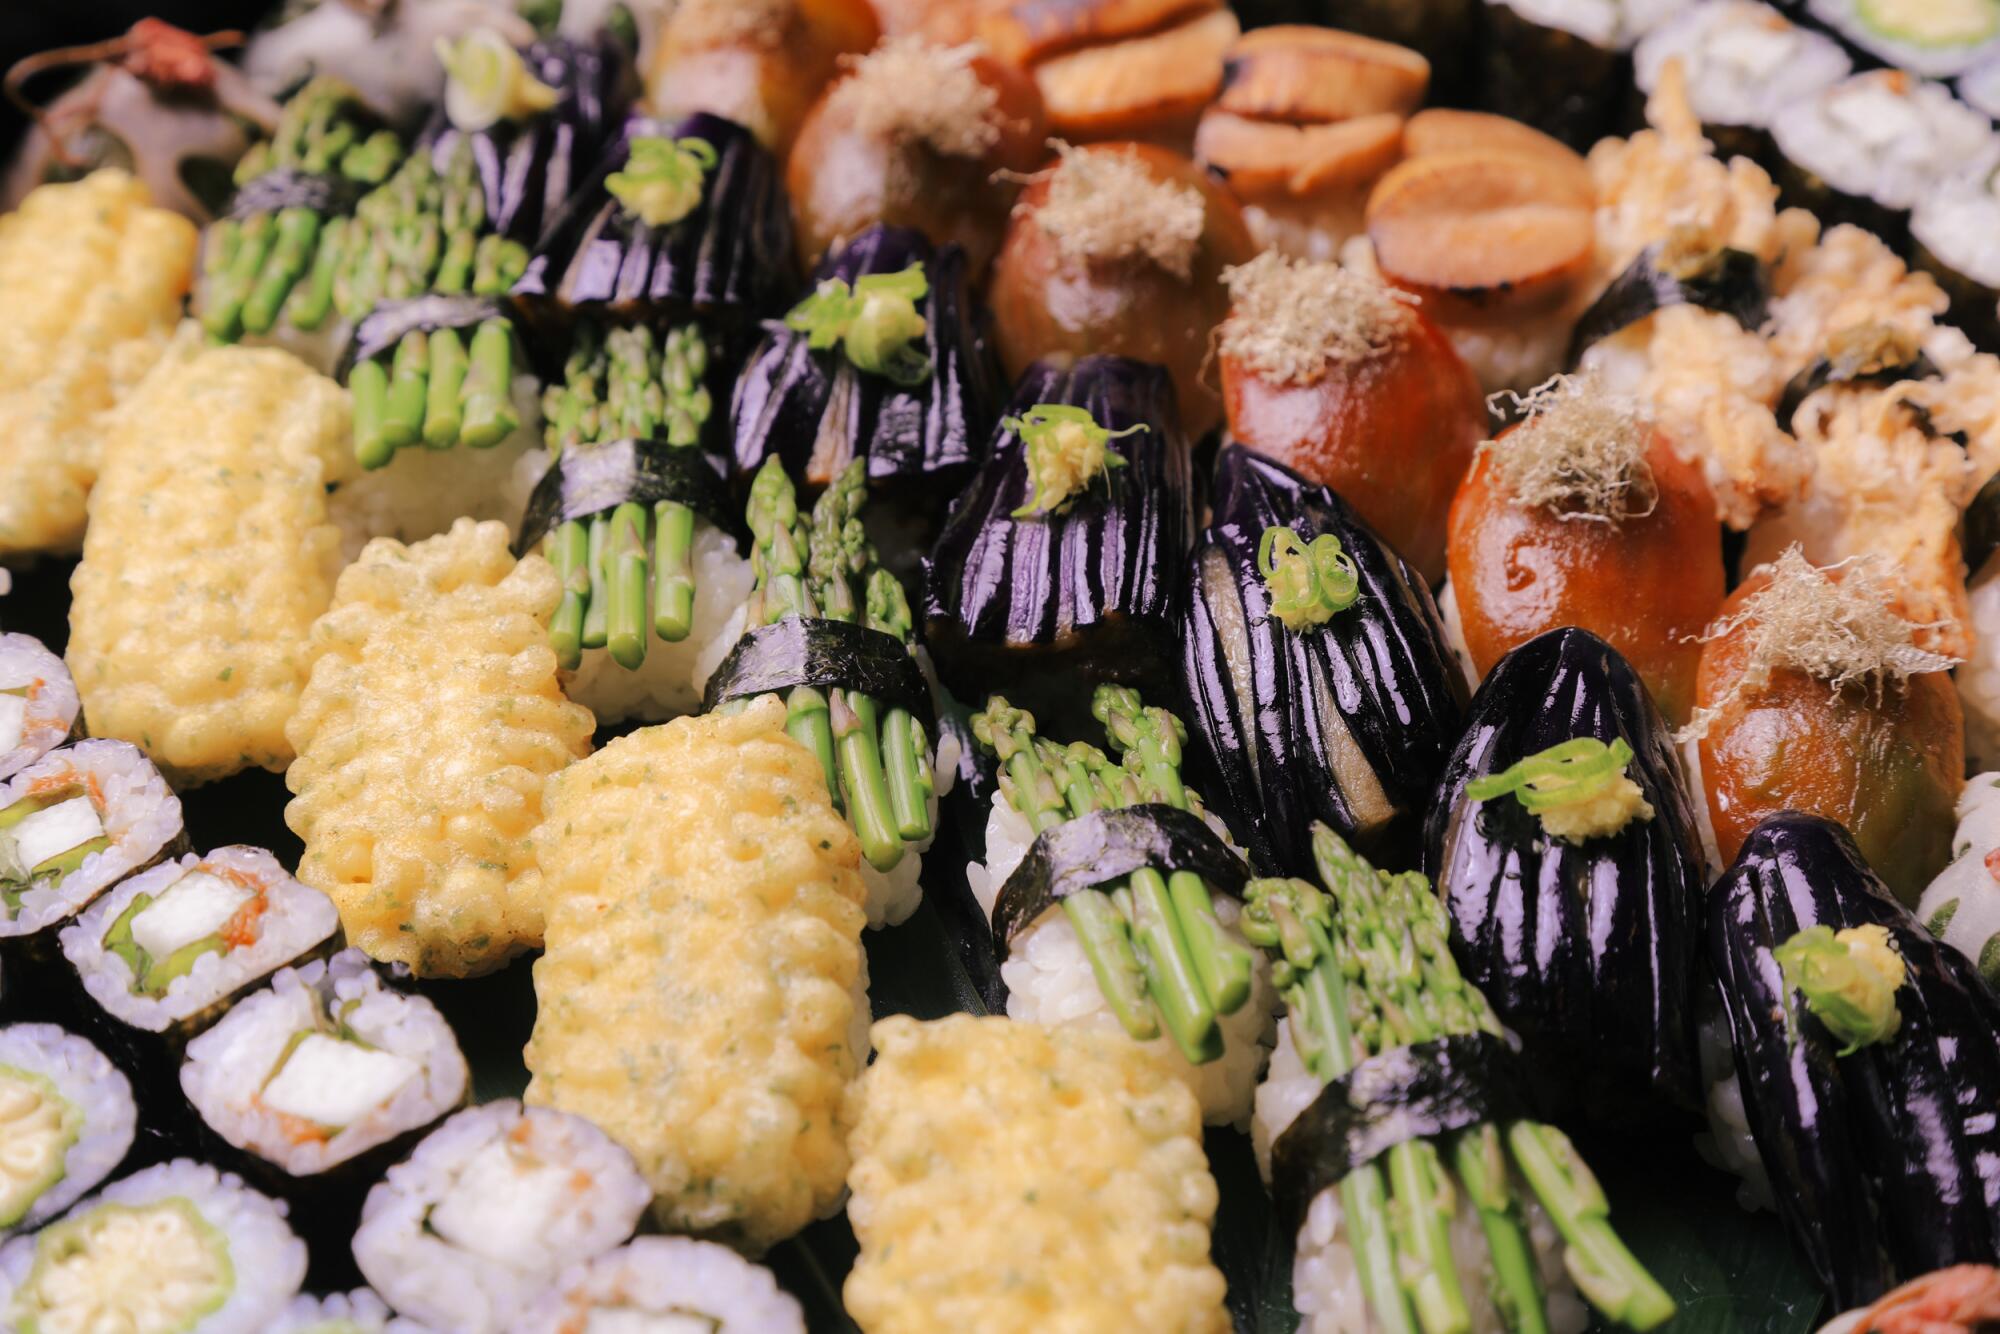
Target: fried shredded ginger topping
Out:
[911,91]
[1581,452]
[1103,204]
[1292,319]
[1849,980]
[1578,789]
[1067,450]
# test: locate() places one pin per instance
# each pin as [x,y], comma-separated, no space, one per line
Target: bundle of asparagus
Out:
[1379,1014]
[289,217]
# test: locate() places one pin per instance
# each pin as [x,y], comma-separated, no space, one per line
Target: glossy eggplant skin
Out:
[818,413]
[729,260]
[1038,606]
[1882,1161]
[1590,952]
[1271,754]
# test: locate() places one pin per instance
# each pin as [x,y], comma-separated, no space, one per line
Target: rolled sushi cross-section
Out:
[1473,1218]
[981,1201]
[66,1122]
[324,1065]
[665,1284]
[490,1209]
[430,721]
[74,823]
[171,945]
[1101,882]
[1938,40]
[702,994]
[209,554]
[1743,62]
[178,1247]
[38,703]
[357,1312]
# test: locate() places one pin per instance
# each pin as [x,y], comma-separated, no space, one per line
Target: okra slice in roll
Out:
[38,704]
[1112,896]
[1320,683]
[1394,1132]
[1562,842]
[67,1119]
[1063,559]
[1865,1059]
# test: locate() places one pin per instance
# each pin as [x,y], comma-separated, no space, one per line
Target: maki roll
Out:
[1393,1133]
[210,552]
[1112,898]
[1321,683]
[664,1281]
[1954,229]
[1348,382]
[38,704]
[703,993]
[179,1246]
[1063,557]
[1865,1057]
[1813,696]
[1562,66]
[170,948]
[1744,62]
[1961,907]
[492,1206]
[1583,515]
[66,1118]
[73,824]
[1939,41]
[1563,844]
[831,627]
[1979,88]
[429,721]
[982,1202]
[357,1312]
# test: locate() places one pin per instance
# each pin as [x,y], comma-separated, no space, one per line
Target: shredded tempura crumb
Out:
[911,91]
[1103,204]
[1841,631]
[705,23]
[1290,319]
[1850,278]
[1581,452]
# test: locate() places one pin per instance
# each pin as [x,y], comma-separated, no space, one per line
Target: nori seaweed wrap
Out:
[1872,1108]
[1588,949]
[1348,720]
[1024,596]
[1682,271]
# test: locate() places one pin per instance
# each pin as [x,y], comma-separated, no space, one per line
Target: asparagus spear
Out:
[778,560]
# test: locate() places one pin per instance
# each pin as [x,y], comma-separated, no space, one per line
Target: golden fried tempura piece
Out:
[1850,278]
[430,721]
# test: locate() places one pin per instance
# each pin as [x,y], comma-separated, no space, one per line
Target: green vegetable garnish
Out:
[1066,450]
[662,179]
[876,321]
[1308,581]
[1849,980]
[1559,776]
[486,82]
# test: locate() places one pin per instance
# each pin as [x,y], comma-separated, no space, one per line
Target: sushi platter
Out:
[747,666]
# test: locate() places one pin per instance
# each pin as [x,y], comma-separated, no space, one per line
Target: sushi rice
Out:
[665,1285]
[1882,136]
[176,1247]
[1743,61]
[38,702]
[74,823]
[357,1312]
[1961,906]
[490,1209]
[324,1065]
[209,926]
[66,1121]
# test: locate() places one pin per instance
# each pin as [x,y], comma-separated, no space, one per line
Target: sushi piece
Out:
[1583,515]
[1961,907]
[1321,683]
[430,719]
[656,1281]
[38,704]
[1938,41]
[831,627]
[1869,730]
[1063,557]
[1867,149]
[92,276]
[1849,281]
[1441,31]
[324,1066]
[171,948]
[1562,66]
[1119,249]
[1953,230]
[1962,1298]
[357,1312]
[1865,1057]
[66,1117]
[1112,896]
[179,1246]
[210,553]
[1109,70]
[489,1210]
[1480,1227]
[920,136]
[73,824]
[1744,62]
[1347,381]
[981,1202]
[703,992]
[1563,844]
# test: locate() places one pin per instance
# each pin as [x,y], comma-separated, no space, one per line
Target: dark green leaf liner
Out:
[1590,953]
[288,187]
[1404,1094]
[378,332]
[1735,285]
[1104,846]
[1883,1162]
[1382,666]
[809,651]
[590,479]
